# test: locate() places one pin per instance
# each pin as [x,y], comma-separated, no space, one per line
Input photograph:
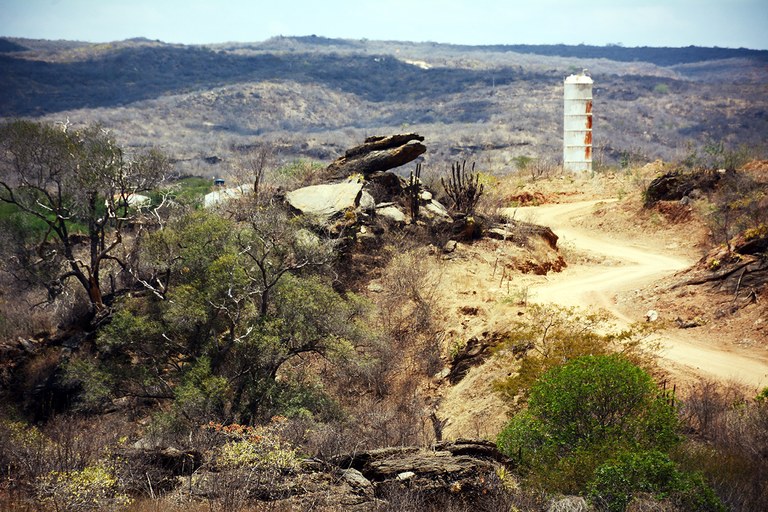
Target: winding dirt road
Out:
[629,265]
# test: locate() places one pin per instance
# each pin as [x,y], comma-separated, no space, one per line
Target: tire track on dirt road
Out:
[631,265]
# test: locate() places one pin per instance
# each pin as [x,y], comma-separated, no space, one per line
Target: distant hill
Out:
[662,56]
[7,46]
[317,95]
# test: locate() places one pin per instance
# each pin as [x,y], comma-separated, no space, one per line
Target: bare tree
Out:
[75,181]
[276,245]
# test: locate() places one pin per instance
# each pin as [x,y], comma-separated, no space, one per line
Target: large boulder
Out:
[378,154]
[391,212]
[674,185]
[460,471]
[326,201]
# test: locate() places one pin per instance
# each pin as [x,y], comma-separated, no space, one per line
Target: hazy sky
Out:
[725,23]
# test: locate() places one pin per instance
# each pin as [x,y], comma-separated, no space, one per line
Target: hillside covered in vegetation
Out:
[314,96]
[392,297]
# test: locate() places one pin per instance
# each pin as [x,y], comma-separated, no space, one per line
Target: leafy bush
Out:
[597,398]
[618,480]
[255,447]
[582,414]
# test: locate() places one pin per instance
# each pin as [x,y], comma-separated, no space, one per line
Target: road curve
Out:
[631,265]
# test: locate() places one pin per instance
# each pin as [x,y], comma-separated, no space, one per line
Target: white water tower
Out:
[577,123]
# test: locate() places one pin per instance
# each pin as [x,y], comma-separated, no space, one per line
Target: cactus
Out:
[413,190]
[463,189]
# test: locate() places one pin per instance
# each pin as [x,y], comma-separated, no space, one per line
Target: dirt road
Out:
[629,265]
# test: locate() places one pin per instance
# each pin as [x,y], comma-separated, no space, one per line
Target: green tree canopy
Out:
[232,303]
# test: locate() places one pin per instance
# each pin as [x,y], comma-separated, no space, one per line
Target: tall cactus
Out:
[463,189]
[413,191]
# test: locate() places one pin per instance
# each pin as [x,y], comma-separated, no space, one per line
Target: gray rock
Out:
[405,475]
[27,346]
[221,196]
[450,246]
[375,288]
[357,481]
[455,466]
[327,200]
[438,210]
[393,213]
[367,202]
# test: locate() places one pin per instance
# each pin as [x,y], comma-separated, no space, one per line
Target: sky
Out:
[724,23]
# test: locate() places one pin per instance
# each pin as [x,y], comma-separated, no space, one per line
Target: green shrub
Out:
[584,413]
[523,438]
[594,399]
[260,447]
[553,335]
[617,481]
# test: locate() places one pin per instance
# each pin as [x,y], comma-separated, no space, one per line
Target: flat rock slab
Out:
[391,212]
[327,200]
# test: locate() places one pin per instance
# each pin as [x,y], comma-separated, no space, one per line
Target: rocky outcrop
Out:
[674,185]
[391,212]
[221,196]
[462,471]
[326,201]
[378,154]
[474,352]
[463,467]
[521,232]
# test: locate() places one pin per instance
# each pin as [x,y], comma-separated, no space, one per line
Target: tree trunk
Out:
[94,294]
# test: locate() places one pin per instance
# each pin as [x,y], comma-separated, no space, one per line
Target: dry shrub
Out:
[297,174]
[570,504]
[729,443]
[648,503]
[17,316]
[397,419]
[65,443]
[175,505]
[409,298]
[81,441]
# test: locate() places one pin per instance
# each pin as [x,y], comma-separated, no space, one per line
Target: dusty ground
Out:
[621,258]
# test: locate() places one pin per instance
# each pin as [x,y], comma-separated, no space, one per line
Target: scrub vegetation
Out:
[160,354]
